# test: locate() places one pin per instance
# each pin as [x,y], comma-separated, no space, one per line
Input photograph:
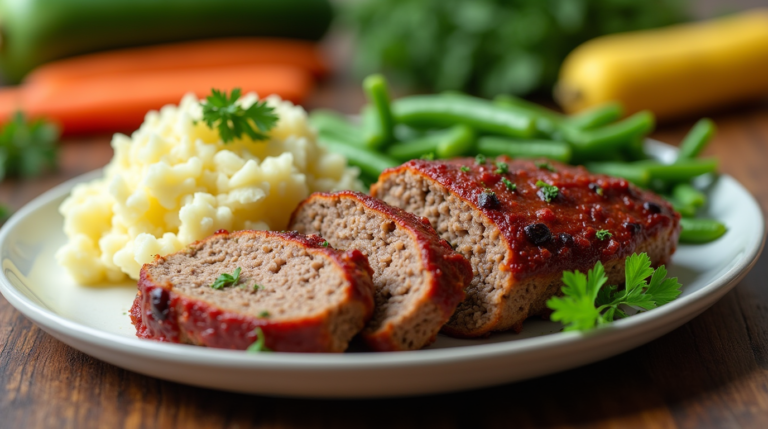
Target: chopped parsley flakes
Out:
[547,192]
[502,168]
[545,166]
[603,234]
[225,280]
[510,186]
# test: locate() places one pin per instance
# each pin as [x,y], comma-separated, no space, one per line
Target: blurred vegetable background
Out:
[37,31]
[488,47]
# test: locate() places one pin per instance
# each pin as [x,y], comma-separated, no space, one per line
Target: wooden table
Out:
[712,372]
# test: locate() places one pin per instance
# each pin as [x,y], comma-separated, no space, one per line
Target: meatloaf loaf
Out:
[419,280]
[522,223]
[304,296]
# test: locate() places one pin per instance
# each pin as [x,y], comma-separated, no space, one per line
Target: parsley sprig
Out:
[232,120]
[587,303]
[258,346]
[225,279]
[27,148]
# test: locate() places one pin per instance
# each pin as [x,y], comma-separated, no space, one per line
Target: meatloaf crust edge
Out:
[179,318]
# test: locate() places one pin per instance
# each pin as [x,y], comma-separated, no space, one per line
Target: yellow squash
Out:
[673,71]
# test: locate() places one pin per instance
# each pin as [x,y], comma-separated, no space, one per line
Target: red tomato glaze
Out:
[546,237]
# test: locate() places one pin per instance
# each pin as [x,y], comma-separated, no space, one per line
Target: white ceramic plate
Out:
[95,321]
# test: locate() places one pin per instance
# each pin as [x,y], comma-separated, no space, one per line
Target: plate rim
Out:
[47,319]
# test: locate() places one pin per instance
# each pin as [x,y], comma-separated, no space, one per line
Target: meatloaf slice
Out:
[305,297]
[520,233]
[419,280]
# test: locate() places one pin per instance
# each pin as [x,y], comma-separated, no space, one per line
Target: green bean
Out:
[684,210]
[698,231]
[506,100]
[495,146]
[372,128]
[413,149]
[610,137]
[455,141]
[335,125]
[459,141]
[369,162]
[447,110]
[682,171]
[375,87]
[696,139]
[547,121]
[687,195]
[636,174]
[597,116]
[635,150]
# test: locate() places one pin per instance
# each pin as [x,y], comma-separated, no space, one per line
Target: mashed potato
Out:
[173,182]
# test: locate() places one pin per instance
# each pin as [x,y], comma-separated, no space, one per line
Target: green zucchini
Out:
[33,32]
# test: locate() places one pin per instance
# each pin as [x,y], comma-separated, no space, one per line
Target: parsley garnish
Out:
[232,120]
[501,168]
[258,346]
[428,156]
[547,192]
[257,286]
[264,313]
[586,303]
[480,159]
[603,234]
[225,280]
[324,244]
[545,166]
[510,186]
[27,149]
[464,168]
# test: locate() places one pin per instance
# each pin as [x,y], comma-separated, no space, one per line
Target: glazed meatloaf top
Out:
[304,295]
[587,218]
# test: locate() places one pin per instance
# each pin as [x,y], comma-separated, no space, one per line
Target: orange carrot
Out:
[200,54]
[120,102]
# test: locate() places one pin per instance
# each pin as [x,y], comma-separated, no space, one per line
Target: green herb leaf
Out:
[225,280]
[480,159]
[264,313]
[587,302]
[510,186]
[28,149]
[464,168]
[547,192]
[258,346]
[232,120]
[662,289]
[545,166]
[257,286]
[502,168]
[325,244]
[603,234]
